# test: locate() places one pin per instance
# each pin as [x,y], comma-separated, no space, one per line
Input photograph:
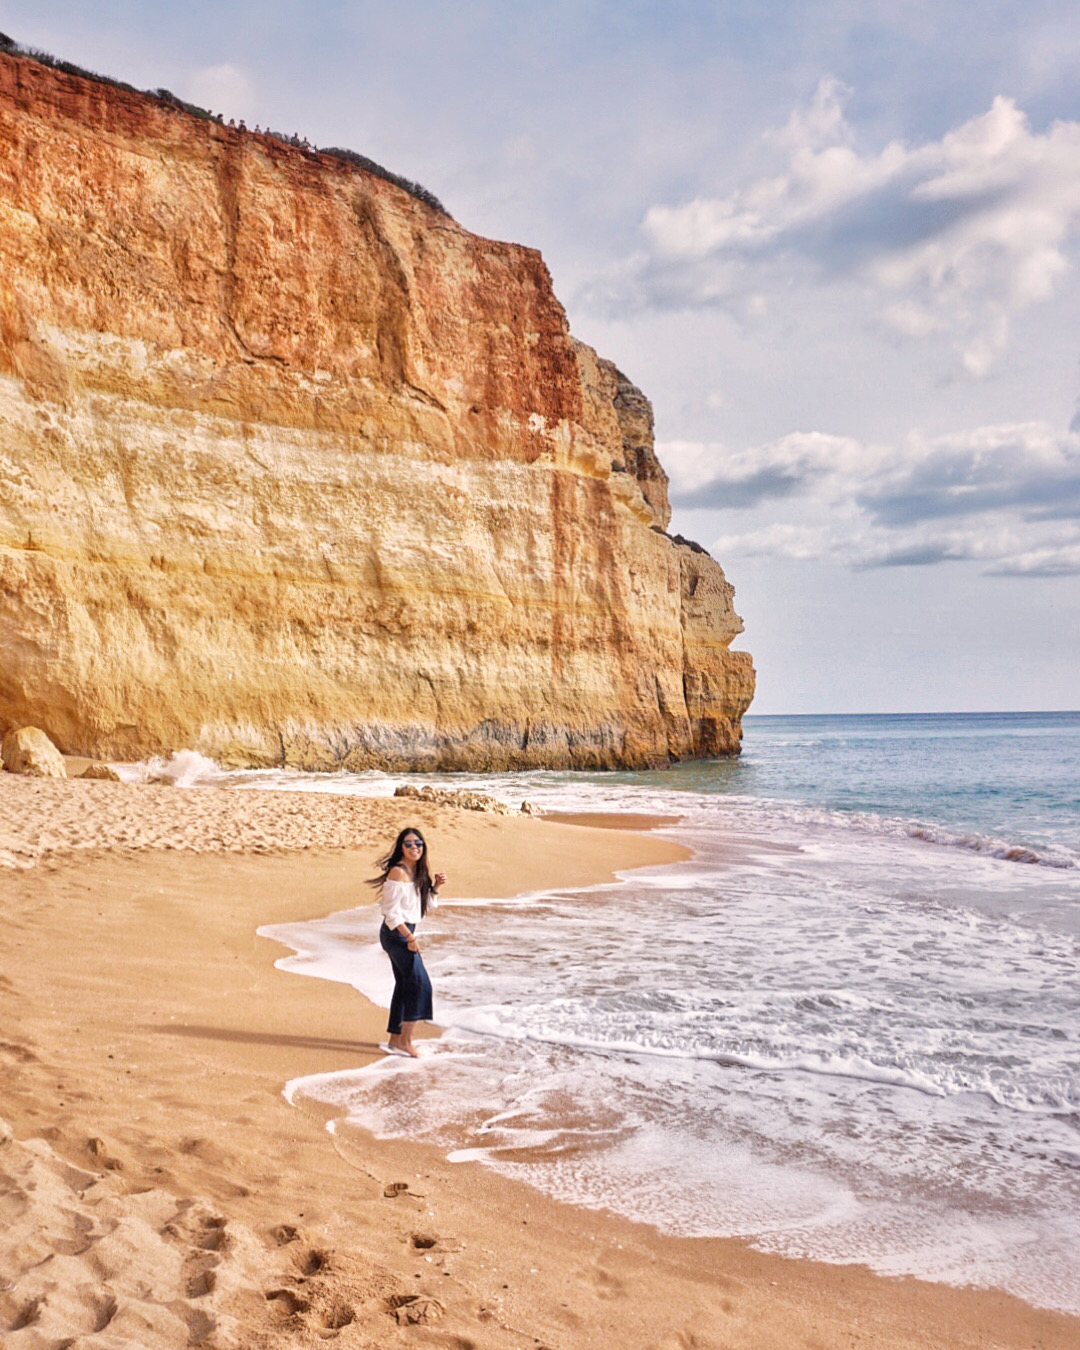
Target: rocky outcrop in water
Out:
[295,470]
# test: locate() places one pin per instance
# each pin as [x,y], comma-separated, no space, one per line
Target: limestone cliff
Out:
[294,469]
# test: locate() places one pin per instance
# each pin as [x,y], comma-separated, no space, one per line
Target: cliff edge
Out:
[295,470]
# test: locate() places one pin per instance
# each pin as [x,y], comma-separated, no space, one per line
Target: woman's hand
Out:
[440,879]
[412,943]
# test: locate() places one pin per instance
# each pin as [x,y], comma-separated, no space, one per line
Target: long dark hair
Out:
[395,858]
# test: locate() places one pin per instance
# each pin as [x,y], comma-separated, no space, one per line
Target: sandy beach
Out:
[156,1190]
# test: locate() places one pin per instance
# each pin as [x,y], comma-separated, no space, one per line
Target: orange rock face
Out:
[294,469]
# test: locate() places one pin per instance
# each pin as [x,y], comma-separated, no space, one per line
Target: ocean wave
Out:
[183,768]
[795,815]
[191,768]
[990,847]
[1059,1099]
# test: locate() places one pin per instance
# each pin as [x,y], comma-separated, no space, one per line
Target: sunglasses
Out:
[412,843]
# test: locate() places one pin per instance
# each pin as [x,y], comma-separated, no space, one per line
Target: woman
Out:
[406,890]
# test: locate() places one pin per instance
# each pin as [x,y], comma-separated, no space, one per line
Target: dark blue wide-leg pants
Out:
[412,987]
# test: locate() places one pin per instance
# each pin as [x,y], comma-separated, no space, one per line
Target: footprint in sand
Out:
[337,1316]
[99,1152]
[314,1306]
[315,1262]
[292,1304]
[196,1223]
[105,1313]
[212,1236]
[204,1149]
[25,1315]
[84,1258]
[200,1276]
[199,1228]
[18,1053]
[606,1284]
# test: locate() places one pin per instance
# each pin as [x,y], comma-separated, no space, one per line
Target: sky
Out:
[835,243]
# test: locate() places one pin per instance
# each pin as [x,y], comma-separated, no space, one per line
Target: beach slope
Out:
[156,1190]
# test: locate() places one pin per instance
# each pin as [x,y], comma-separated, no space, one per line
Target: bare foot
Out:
[410,1049]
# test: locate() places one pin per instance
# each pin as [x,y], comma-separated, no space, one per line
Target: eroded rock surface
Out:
[462,798]
[28,750]
[103,773]
[295,470]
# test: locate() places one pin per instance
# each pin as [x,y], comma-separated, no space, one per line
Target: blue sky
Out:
[835,243]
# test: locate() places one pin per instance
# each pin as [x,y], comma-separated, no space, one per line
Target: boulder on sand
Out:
[28,750]
[102,771]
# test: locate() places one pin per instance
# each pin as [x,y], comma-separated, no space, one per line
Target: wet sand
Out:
[611,820]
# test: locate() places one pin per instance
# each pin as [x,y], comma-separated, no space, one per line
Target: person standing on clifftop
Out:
[406,890]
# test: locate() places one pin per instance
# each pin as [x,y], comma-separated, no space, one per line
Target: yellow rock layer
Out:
[295,470]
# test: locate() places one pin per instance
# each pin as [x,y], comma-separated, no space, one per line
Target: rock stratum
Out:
[295,470]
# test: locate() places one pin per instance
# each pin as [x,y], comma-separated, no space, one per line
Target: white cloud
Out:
[1029,471]
[803,543]
[1005,496]
[820,123]
[1063,561]
[953,236]
[712,476]
[912,319]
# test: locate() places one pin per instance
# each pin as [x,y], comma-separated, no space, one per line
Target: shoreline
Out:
[144,1086]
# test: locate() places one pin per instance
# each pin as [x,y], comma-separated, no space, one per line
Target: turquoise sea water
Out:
[1005,776]
[848,1027]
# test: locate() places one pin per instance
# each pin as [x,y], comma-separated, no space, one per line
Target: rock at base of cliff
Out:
[28,750]
[101,771]
[464,799]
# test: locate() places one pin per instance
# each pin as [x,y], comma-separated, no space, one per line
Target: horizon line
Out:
[956,712]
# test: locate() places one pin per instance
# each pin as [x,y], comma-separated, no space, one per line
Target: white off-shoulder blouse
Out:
[400,902]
